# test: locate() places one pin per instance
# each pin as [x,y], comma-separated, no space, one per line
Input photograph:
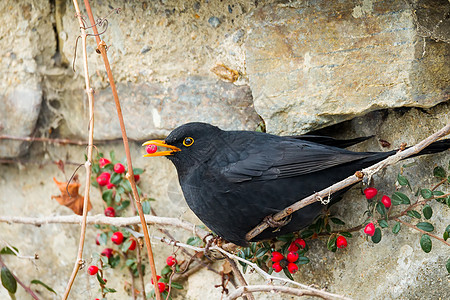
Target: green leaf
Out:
[376,238]
[117,198]
[396,228]
[288,275]
[124,205]
[402,180]
[383,223]
[94,182]
[439,172]
[302,260]
[109,290]
[8,280]
[112,155]
[447,201]
[400,198]
[381,208]
[427,211]
[103,238]
[194,241]
[176,285]
[337,221]
[425,226]
[425,243]
[346,234]
[138,171]
[166,270]
[447,265]
[426,193]
[107,195]
[36,281]
[7,250]
[115,178]
[100,279]
[319,225]
[260,252]
[445,235]
[331,244]
[95,168]
[146,207]
[306,234]
[413,214]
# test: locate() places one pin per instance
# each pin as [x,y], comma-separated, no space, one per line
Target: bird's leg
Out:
[209,243]
[277,224]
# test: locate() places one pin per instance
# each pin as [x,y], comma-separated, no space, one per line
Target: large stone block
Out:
[317,63]
[18,116]
[27,43]
[155,109]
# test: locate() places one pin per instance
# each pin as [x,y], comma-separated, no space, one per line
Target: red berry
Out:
[110,212]
[157,277]
[102,180]
[103,162]
[292,257]
[341,242]
[386,201]
[109,185]
[370,192]
[171,261]
[132,245]
[277,267]
[277,256]
[107,252]
[370,229]
[117,238]
[297,244]
[151,148]
[136,178]
[292,268]
[119,168]
[92,270]
[161,287]
[97,239]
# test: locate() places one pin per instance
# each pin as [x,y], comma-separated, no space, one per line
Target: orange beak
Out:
[161,143]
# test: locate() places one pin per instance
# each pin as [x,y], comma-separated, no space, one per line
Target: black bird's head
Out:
[189,144]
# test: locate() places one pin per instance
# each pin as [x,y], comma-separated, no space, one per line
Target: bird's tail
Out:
[435,147]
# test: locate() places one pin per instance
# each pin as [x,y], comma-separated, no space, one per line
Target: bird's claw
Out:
[277,224]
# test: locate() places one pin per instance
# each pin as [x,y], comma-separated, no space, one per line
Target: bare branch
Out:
[104,220]
[261,272]
[101,48]
[88,164]
[273,289]
[368,172]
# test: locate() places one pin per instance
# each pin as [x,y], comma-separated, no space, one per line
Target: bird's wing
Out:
[275,157]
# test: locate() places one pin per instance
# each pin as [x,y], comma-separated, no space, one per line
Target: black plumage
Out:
[233,179]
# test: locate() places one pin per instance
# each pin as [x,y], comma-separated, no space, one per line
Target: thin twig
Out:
[273,289]
[261,272]
[26,288]
[88,164]
[101,46]
[423,231]
[104,220]
[240,277]
[369,172]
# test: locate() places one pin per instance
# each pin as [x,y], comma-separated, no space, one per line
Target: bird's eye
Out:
[188,141]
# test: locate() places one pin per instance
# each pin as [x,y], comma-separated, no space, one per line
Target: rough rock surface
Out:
[304,64]
[313,65]
[25,27]
[154,109]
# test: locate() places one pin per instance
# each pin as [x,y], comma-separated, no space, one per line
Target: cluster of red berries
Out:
[371,193]
[280,262]
[104,178]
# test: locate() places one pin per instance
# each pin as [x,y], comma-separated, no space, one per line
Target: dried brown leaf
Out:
[73,199]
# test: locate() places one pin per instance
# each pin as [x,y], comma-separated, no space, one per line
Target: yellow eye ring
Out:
[188,141]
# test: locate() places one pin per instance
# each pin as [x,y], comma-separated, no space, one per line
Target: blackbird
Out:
[232,180]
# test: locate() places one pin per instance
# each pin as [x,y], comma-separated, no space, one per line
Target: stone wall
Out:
[367,67]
